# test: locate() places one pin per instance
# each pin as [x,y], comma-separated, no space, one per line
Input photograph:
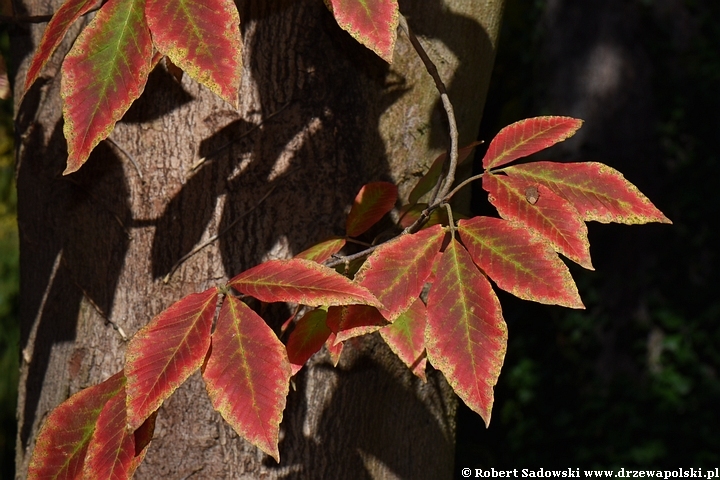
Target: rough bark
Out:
[96,245]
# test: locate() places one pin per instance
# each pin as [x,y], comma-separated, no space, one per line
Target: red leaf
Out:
[112,450]
[397,270]
[300,281]
[202,37]
[323,250]
[597,191]
[410,213]
[164,353]
[247,375]
[334,349]
[528,136]
[406,337]
[519,262]
[104,72]
[64,438]
[353,320]
[56,29]
[428,181]
[309,335]
[549,215]
[371,204]
[371,22]
[466,335]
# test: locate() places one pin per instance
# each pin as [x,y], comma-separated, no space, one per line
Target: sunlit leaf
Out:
[56,29]
[334,349]
[202,37]
[528,136]
[63,441]
[164,353]
[597,191]
[466,336]
[300,281]
[519,262]
[247,375]
[406,337]
[353,320]
[308,337]
[113,451]
[396,271]
[104,72]
[371,204]
[371,22]
[550,216]
[323,250]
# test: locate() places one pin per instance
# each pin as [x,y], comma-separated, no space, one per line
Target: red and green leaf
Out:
[550,216]
[202,37]
[310,334]
[247,375]
[300,281]
[518,261]
[323,250]
[397,270]
[351,321]
[371,22]
[56,29]
[410,213]
[115,451]
[63,441]
[371,204]
[334,349]
[528,136]
[428,181]
[164,353]
[466,336]
[597,192]
[104,72]
[406,337]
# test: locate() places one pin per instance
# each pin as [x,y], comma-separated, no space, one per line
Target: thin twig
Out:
[127,154]
[447,197]
[212,239]
[451,220]
[340,259]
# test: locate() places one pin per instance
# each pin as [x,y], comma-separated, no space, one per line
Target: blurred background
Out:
[633,380]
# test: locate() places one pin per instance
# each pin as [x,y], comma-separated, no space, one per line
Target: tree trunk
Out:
[320,115]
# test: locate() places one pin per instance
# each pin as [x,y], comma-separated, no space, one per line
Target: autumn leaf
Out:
[350,321]
[528,136]
[596,191]
[397,270]
[202,37]
[406,337]
[247,375]
[300,281]
[371,22]
[63,441]
[308,337]
[323,250]
[334,349]
[549,216]
[164,353]
[466,336]
[104,72]
[519,262]
[371,204]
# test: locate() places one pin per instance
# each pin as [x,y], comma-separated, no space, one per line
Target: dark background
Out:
[632,381]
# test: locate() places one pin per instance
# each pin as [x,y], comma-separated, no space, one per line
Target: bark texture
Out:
[320,115]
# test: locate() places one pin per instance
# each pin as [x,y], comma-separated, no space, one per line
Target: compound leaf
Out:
[323,250]
[63,441]
[406,337]
[247,375]
[397,270]
[466,336]
[550,216]
[518,261]
[164,353]
[528,136]
[56,29]
[350,321]
[104,72]
[300,281]
[202,37]
[310,334]
[597,192]
[371,22]
[372,202]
